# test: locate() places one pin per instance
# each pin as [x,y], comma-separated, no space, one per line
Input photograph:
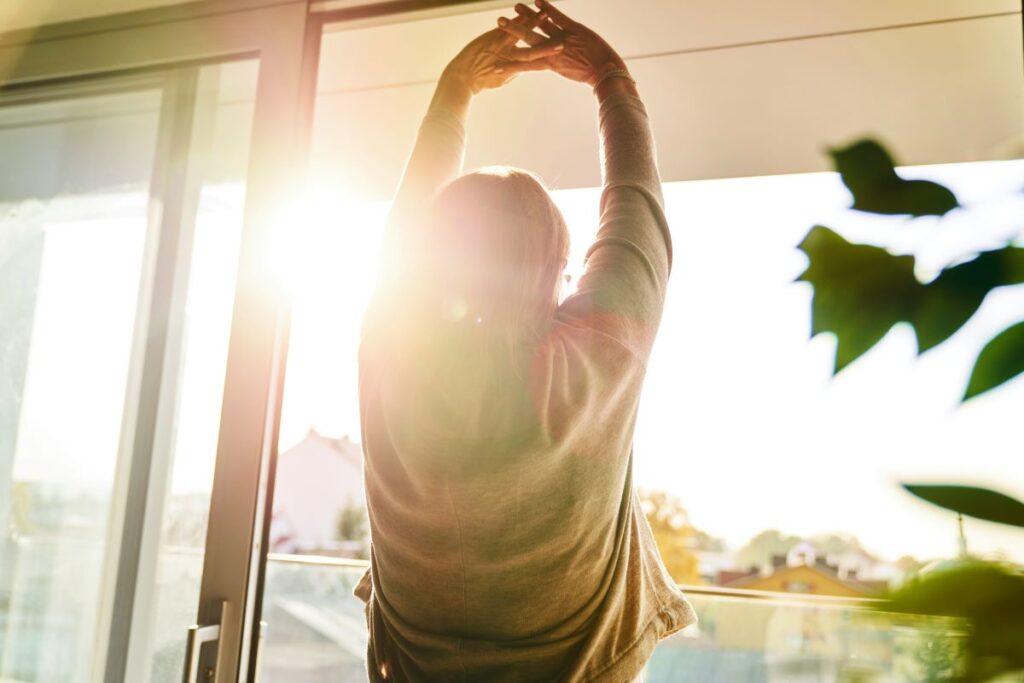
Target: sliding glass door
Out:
[74,242]
[142,336]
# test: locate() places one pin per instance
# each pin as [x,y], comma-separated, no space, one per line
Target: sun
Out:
[325,242]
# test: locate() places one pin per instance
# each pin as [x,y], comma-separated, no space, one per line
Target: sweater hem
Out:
[631,662]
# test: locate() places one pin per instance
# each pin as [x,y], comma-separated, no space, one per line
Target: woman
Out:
[507,542]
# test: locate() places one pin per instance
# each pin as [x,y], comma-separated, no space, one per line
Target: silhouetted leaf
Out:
[861,291]
[1001,360]
[869,172]
[972,501]
[956,294]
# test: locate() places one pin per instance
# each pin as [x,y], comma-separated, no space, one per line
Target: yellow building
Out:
[802,570]
[806,578]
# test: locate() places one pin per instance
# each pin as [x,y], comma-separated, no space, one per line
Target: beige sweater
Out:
[511,546]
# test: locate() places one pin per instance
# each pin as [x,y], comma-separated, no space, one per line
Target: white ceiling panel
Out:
[937,93]
[653,23]
[409,51]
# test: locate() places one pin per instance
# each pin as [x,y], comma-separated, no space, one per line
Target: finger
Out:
[519,67]
[516,29]
[525,17]
[539,20]
[501,33]
[529,54]
[549,28]
[529,16]
[556,14]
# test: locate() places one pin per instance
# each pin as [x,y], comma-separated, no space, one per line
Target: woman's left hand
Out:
[477,68]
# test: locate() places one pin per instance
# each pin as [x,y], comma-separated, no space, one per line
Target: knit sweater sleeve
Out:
[621,293]
[436,160]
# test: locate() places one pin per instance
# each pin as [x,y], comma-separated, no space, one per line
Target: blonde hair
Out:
[477,291]
[497,246]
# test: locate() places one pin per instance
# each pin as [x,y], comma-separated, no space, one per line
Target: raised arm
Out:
[623,287]
[437,156]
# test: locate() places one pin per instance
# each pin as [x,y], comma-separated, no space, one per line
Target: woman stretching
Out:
[507,542]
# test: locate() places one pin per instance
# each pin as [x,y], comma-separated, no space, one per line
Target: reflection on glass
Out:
[74,203]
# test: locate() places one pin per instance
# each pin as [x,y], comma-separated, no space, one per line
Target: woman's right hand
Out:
[585,56]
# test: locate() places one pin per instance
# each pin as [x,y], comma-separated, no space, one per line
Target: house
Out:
[803,570]
[317,479]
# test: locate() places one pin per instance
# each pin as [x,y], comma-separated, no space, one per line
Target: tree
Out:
[352,523]
[759,551]
[673,534]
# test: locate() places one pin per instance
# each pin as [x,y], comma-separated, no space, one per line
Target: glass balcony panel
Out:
[317,632]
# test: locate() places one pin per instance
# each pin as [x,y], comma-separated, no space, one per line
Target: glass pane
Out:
[218,160]
[769,454]
[74,203]
[318,633]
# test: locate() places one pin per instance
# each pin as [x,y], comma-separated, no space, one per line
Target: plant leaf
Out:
[957,293]
[972,501]
[1000,360]
[988,595]
[868,171]
[861,291]
[968,589]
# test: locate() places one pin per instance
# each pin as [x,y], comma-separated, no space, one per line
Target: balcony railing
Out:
[317,633]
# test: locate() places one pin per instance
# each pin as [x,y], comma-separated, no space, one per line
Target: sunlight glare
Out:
[313,238]
[325,255]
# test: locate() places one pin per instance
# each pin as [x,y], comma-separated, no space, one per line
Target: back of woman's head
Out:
[480,287]
[497,248]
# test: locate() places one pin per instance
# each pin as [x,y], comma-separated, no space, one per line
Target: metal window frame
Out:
[187,125]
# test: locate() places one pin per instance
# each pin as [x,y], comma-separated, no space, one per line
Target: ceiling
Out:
[734,88]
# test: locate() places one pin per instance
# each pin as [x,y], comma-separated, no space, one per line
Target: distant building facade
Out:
[802,570]
[317,480]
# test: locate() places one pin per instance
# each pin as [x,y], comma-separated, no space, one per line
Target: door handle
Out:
[196,638]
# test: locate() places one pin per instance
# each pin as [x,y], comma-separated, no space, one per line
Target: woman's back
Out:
[504,541]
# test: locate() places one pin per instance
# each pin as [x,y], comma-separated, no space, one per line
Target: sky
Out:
[739,416]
